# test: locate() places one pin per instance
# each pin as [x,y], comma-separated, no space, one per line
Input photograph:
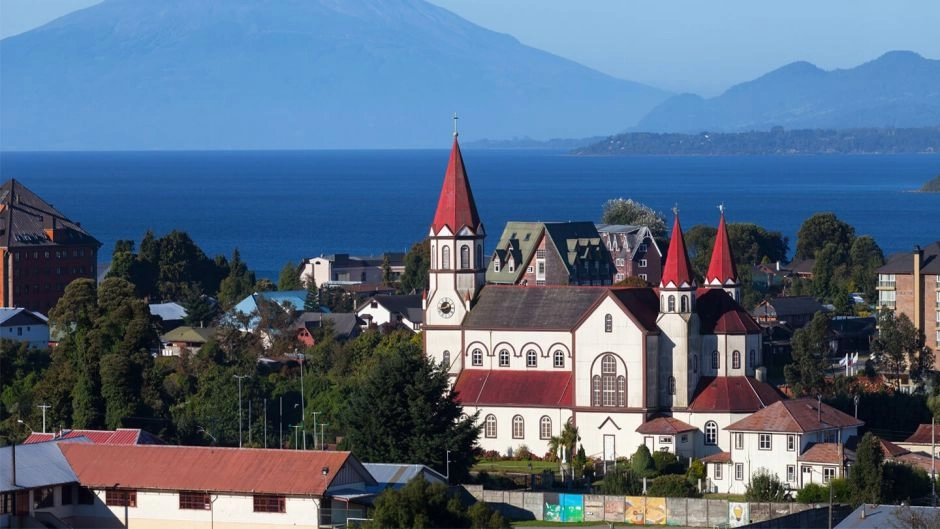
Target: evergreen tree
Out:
[417,265]
[810,348]
[822,229]
[238,284]
[289,278]
[865,479]
[642,462]
[312,300]
[386,271]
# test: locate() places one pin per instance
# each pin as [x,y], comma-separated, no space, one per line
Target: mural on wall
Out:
[552,507]
[613,509]
[634,510]
[572,508]
[738,514]
[656,511]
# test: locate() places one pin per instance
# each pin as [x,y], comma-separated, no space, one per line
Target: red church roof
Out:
[721,269]
[733,395]
[455,207]
[515,388]
[677,270]
[121,436]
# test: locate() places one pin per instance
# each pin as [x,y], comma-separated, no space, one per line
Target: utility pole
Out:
[303,418]
[447,468]
[249,421]
[265,423]
[44,408]
[280,423]
[296,428]
[933,461]
[239,378]
[315,413]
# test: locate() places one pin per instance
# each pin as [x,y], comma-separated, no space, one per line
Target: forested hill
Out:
[775,141]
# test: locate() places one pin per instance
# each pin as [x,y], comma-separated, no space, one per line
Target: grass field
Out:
[515,466]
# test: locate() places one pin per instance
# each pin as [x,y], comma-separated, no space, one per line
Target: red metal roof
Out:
[677,270]
[826,453]
[796,416]
[922,435]
[455,207]
[719,313]
[720,457]
[121,436]
[733,394]
[550,389]
[665,426]
[721,269]
[245,470]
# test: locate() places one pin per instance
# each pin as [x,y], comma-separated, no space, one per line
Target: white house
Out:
[24,326]
[344,269]
[390,309]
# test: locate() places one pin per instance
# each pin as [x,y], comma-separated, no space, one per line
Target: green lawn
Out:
[729,497]
[515,466]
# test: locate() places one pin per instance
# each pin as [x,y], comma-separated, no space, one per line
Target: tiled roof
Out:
[733,394]
[721,269]
[643,303]
[677,270]
[892,450]
[189,334]
[826,453]
[802,266]
[720,457]
[719,313]
[550,389]
[121,436]
[790,305]
[455,207]
[543,308]
[24,219]
[903,262]
[664,426]
[917,460]
[923,435]
[246,470]
[796,416]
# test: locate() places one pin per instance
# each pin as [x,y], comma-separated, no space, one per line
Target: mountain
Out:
[899,89]
[281,74]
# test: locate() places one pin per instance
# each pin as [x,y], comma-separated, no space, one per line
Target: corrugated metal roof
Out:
[549,389]
[121,436]
[545,308]
[168,311]
[245,470]
[37,465]
[395,474]
[732,394]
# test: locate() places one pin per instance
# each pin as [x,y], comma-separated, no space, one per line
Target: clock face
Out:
[445,307]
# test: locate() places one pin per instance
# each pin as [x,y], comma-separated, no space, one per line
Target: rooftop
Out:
[477,387]
[796,416]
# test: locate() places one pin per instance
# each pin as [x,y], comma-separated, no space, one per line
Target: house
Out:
[909,283]
[923,440]
[849,334]
[405,311]
[185,338]
[344,325]
[37,485]
[543,253]
[182,486]
[24,325]
[801,441]
[168,315]
[245,313]
[795,311]
[342,268]
[668,434]
[634,252]
[42,250]
[121,436]
[802,268]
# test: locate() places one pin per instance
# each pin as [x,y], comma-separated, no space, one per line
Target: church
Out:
[670,367]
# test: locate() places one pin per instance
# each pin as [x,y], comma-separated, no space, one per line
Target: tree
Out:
[642,462]
[237,284]
[312,299]
[289,278]
[568,439]
[417,264]
[404,410]
[386,271]
[820,229]
[865,257]
[672,486]
[632,282]
[830,272]
[621,480]
[628,211]
[420,505]
[765,486]
[865,479]
[810,347]
[899,348]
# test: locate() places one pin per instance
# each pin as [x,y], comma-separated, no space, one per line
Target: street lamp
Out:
[239,378]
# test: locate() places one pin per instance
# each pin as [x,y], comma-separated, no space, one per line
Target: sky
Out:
[679,45]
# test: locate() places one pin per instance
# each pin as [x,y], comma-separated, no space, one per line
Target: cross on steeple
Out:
[455,124]
[721,207]
[675,209]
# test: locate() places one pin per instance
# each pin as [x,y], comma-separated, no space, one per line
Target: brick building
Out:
[634,251]
[42,251]
[909,283]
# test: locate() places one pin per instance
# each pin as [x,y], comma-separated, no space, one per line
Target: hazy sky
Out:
[680,45]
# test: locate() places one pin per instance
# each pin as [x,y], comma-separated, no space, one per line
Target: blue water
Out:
[280,206]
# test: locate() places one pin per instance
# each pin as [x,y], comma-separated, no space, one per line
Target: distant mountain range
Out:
[898,89]
[283,74]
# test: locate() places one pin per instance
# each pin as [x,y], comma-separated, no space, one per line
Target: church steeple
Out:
[722,272]
[677,273]
[456,209]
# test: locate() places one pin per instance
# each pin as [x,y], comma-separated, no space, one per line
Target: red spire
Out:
[677,270]
[722,269]
[455,207]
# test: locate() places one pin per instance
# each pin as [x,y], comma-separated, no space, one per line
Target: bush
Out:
[672,486]
[668,463]
[491,455]
[813,493]
[642,462]
[482,517]
[621,481]
[696,472]
[765,486]
[523,453]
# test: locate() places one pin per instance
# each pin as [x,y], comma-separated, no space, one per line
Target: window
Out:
[886,280]
[643,277]
[511,264]
[477,357]
[665,439]
[479,256]
[608,323]
[672,385]
[43,498]
[559,358]
[269,503]
[531,358]
[619,262]
[504,358]
[718,471]
[619,277]
[716,362]
[445,257]
[596,390]
[711,433]
[518,427]
[496,263]
[530,269]
[736,360]
[464,257]
[642,248]
[791,473]
[195,500]
[752,359]
[120,498]
[489,429]
[684,438]
[828,474]
[609,388]
[642,263]
[763,441]
[672,304]
[621,391]
[791,443]
[86,496]
[738,441]
[446,359]
[545,427]
[695,363]
[739,471]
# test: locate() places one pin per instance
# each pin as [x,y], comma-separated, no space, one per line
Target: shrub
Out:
[672,486]
[642,462]
[813,493]
[491,455]
[668,463]
[765,486]
[621,481]
[696,472]
[523,453]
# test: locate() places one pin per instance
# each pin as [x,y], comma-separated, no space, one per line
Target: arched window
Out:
[711,433]
[736,360]
[545,427]
[518,427]
[464,257]
[504,358]
[672,385]
[610,387]
[477,357]
[695,363]
[445,257]
[531,358]
[433,257]
[446,359]
[672,303]
[496,262]
[608,323]
[490,426]
[715,360]
[752,359]
[596,390]
[685,303]
[559,360]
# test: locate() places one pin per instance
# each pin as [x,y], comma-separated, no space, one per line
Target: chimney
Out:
[918,289]
[761,374]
